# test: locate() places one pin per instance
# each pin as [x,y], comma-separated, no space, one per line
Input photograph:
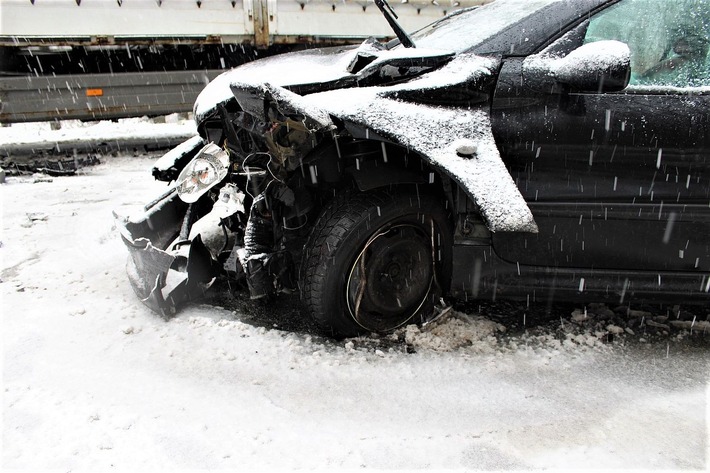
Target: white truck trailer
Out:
[98,59]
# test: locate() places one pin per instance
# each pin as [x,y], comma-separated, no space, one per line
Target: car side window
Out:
[669,40]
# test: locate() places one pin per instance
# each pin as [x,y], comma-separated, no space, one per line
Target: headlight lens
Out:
[205,170]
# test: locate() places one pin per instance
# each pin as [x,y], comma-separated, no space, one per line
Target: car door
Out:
[615,180]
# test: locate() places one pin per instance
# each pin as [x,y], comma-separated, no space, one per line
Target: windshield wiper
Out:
[391,18]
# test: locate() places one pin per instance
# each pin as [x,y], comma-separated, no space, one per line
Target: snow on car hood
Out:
[315,66]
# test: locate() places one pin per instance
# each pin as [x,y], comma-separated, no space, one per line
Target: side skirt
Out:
[478,273]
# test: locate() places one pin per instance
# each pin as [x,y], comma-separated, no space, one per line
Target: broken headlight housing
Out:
[206,170]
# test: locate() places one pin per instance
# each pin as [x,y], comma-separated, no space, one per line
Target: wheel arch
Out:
[353,219]
[368,161]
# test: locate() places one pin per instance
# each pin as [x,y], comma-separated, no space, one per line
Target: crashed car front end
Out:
[370,180]
[166,267]
[243,179]
[354,124]
[283,150]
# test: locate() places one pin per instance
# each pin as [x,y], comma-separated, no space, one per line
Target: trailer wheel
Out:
[376,261]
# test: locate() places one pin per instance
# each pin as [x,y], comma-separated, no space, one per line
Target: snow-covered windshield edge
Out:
[477,24]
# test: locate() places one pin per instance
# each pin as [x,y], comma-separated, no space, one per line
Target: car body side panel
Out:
[603,171]
[478,273]
[436,133]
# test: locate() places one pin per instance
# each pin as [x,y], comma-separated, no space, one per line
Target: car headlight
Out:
[205,170]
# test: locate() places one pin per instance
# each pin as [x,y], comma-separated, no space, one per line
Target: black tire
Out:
[387,236]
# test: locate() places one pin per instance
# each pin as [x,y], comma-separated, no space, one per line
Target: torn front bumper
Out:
[164,267]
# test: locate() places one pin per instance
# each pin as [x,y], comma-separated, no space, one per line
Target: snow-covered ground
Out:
[93,381]
[72,131]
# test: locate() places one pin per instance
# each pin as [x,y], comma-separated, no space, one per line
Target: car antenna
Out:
[391,18]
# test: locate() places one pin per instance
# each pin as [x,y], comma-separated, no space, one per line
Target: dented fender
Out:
[457,140]
[439,135]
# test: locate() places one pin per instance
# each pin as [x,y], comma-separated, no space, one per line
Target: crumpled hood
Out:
[316,65]
[324,69]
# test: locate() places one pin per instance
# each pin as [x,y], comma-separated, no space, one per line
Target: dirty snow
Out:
[71,131]
[92,380]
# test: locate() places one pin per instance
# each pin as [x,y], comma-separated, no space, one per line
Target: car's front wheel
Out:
[376,261]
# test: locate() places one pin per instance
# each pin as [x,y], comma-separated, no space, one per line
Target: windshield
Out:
[460,32]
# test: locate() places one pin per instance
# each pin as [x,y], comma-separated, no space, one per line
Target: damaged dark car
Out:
[532,149]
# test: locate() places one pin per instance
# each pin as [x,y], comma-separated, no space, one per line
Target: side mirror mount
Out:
[602,66]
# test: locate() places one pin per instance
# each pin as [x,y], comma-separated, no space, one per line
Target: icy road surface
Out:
[93,381]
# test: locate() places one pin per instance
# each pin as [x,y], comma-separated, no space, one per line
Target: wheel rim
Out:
[391,278]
